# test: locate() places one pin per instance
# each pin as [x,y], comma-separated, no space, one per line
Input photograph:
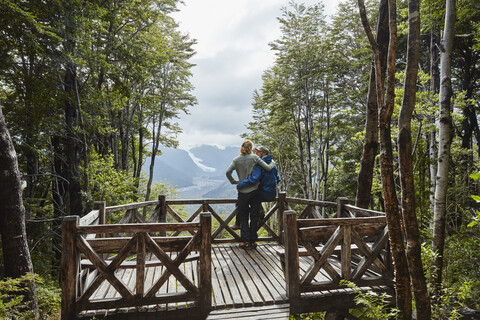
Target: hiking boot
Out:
[252,245]
[244,245]
[235,227]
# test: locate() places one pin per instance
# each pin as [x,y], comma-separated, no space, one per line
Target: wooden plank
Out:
[149,272]
[149,263]
[222,277]
[319,234]
[114,245]
[273,261]
[89,218]
[217,283]
[128,279]
[363,212]
[132,302]
[239,293]
[135,227]
[303,223]
[269,279]
[130,206]
[247,274]
[365,282]
[257,289]
[318,203]
[201,201]
[281,311]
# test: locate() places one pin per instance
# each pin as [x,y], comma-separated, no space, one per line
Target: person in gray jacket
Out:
[249,199]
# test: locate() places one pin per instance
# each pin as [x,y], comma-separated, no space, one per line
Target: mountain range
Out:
[197,173]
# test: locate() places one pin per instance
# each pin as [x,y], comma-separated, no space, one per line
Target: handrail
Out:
[272,224]
[322,239]
[76,292]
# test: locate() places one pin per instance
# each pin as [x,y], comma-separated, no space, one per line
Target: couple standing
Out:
[257,182]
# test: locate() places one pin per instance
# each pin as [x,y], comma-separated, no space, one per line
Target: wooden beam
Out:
[205,276]
[291,259]
[69,262]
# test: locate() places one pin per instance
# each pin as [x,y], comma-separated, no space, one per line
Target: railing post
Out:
[281,209]
[100,206]
[205,277]
[340,209]
[162,211]
[291,261]
[346,253]
[69,261]
[162,215]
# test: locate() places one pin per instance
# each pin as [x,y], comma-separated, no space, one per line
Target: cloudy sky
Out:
[232,53]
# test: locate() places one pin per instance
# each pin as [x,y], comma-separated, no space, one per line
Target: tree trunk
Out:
[370,143]
[440,206]
[73,146]
[155,145]
[393,215]
[432,135]
[16,256]
[414,254]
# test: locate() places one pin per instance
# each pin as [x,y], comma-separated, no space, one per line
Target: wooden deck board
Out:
[250,282]
[235,280]
[222,272]
[247,275]
[276,293]
[217,282]
[281,311]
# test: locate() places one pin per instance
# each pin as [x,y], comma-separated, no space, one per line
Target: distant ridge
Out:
[177,168]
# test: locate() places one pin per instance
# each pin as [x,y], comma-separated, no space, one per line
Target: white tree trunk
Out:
[444,141]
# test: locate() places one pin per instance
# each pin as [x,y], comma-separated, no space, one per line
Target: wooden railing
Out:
[97,258]
[360,245]
[93,249]
[271,224]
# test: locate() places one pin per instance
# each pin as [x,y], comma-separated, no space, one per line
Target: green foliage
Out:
[11,299]
[371,305]
[107,184]
[462,286]
[308,316]
[312,100]
[462,255]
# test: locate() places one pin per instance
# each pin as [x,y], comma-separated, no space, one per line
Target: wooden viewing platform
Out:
[144,267]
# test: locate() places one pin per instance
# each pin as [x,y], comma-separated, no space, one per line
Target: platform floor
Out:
[247,284]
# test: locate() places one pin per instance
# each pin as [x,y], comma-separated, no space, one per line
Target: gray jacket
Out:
[243,165]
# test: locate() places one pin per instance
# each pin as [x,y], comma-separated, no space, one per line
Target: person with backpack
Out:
[268,179]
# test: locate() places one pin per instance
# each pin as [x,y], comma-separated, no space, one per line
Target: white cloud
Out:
[232,54]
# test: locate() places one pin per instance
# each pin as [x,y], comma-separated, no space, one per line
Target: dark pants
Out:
[248,210]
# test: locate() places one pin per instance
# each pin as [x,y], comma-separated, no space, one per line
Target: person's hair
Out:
[247,147]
